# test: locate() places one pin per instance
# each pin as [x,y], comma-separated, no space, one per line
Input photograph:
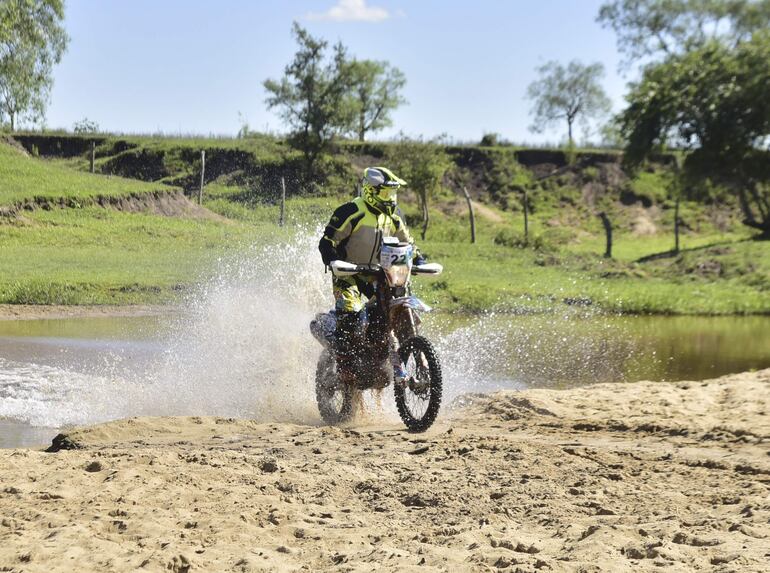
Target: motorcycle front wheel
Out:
[334,398]
[418,397]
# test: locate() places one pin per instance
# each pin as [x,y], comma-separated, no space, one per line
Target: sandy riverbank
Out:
[613,477]
[57,311]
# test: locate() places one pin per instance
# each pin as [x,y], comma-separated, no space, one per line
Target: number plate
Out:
[391,255]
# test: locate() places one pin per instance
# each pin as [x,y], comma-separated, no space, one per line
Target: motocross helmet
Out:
[380,187]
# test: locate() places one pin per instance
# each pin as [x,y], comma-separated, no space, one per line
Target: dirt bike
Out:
[389,347]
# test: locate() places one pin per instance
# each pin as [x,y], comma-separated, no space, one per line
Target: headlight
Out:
[398,275]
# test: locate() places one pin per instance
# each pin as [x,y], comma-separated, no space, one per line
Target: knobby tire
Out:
[414,347]
[325,379]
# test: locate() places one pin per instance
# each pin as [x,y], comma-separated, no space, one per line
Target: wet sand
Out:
[57,311]
[612,477]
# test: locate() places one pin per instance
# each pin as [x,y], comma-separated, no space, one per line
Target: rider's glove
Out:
[328,254]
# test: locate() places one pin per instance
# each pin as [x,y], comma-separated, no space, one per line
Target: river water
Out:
[244,361]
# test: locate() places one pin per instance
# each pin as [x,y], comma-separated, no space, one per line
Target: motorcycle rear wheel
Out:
[418,398]
[334,398]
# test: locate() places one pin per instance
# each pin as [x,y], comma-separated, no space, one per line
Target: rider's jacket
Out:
[355,231]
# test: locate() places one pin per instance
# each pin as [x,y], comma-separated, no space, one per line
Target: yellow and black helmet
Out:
[380,188]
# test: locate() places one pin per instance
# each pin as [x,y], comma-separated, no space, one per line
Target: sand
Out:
[59,311]
[613,477]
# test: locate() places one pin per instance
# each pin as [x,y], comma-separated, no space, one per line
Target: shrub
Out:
[540,242]
[85,126]
[591,173]
[649,188]
[423,165]
[558,236]
[490,140]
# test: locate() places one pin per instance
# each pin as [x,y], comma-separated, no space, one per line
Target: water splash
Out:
[557,349]
[50,396]
[241,347]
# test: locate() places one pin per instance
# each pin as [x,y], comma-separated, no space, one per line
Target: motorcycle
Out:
[391,350]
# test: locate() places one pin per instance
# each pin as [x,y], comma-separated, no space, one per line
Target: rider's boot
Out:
[345,341]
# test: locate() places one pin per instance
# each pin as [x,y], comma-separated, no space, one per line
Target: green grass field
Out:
[488,276]
[99,255]
[92,254]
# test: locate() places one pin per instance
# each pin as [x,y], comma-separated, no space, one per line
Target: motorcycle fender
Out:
[411,302]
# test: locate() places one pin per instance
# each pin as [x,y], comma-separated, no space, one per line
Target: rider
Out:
[354,234]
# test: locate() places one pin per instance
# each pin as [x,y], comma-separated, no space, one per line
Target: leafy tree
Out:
[712,102]
[375,88]
[85,126]
[423,166]
[312,95]
[651,28]
[490,139]
[570,94]
[32,40]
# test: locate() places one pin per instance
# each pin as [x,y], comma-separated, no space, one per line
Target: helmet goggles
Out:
[387,192]
[382,185]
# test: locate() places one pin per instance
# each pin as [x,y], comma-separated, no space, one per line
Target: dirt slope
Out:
[171,203]
[614,477]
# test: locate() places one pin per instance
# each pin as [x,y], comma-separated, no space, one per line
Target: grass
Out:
[99,256]
[25,178]
[91,254]
[481,277]
[489,276]
[96,255]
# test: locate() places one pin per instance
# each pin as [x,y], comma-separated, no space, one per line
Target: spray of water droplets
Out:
[503,351]
[241,347]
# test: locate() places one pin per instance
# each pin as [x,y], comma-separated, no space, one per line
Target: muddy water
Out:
[73,371]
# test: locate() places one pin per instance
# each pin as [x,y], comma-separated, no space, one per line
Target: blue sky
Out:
[189,66]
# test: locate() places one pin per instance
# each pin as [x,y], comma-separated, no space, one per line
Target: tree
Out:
[375,88]
[712,102]
[32,40]
[568,94]
[85,126]
[423,166]
[313,95]
[652,28]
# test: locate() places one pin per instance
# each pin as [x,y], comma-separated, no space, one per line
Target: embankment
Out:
[170,203]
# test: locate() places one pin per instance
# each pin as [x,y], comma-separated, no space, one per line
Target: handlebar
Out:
[344,269]
[427,269]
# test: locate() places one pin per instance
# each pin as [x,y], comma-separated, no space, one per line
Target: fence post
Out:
[470,211]
[203,173]
[525,203]
[608,232]
[283,201]
[93,155]
[676,225]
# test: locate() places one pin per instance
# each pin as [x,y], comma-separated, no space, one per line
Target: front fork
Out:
[399,373]
[405,322]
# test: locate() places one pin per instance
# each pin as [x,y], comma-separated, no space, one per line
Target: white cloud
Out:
[351,11]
